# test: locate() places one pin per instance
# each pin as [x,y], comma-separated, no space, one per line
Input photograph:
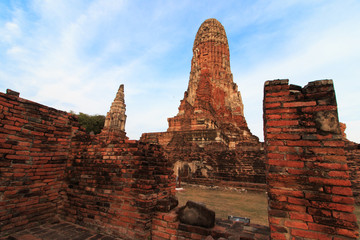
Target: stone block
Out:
[196,214]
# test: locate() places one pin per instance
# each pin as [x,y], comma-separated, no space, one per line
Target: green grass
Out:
[224,203]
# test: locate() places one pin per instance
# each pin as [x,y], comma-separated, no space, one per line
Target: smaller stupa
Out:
[116,118]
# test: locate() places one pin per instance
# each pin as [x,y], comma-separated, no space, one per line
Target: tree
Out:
[91,123]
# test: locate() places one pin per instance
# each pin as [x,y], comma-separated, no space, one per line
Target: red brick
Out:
[333,206]
[342,199]
[278,93]
[196,236]
[173,225]
[299,104]
[159,223]
[276,99]
[278,228]
[283,136]
[319,108]
[296,171]
[334,143]
[289,116]
[346,191]
[287,149]
[273,130]
[303,143]
[274,220]
[272,142]
[273,116]
[332,166]
[344,216]
[18,157]
[335,151]
[296,224]
[277,156]
[298,201]
[19,174]
[171,217]
[286,206]
[301,216]
[171,231]
[348,233]
[319,212]
[321,228]
[341,174]
[329,181]
[279,236]
[310,234]
[335,158]
[286,163]
[293,157]
[283,123]
[272,105]
[11,127]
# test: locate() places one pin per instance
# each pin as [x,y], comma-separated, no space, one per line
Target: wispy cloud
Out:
[321,46]
[73,55]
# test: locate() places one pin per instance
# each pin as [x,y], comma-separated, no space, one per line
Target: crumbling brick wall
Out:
[309,190]
[50,168]
[34,146]
[116,185]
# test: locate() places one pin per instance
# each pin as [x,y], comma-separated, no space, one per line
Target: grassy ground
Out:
[224,203]
[357,213]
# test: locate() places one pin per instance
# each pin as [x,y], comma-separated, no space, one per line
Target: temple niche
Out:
[209,137]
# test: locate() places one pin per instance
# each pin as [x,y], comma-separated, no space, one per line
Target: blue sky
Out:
[73,55]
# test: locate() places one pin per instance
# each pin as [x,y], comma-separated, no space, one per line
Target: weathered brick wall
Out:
[214,166]
[309,189]
[353,156]
[116,185]
[49,168]
[212,161]
[34,146]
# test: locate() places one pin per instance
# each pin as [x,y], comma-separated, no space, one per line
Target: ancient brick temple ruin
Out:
[209,138]
[51,169]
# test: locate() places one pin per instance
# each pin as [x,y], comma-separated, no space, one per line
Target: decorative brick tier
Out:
[309,189]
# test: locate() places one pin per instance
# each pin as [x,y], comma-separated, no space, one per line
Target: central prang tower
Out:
[209,139]
[212,100]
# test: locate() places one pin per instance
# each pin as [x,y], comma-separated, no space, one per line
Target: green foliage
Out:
[91,123]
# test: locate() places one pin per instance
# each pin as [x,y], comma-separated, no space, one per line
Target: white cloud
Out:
[73,55]
[15,51]
[322,46]
[11,31]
